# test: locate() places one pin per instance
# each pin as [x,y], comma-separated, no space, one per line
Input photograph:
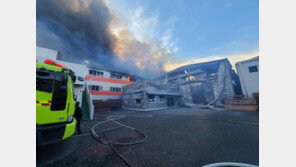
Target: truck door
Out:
[51,96]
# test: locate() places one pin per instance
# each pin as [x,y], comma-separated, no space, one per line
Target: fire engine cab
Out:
[55,102]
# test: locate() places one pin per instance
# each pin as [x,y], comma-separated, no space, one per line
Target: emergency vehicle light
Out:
[55,64]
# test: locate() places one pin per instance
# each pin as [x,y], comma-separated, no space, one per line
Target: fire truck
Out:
[55,102]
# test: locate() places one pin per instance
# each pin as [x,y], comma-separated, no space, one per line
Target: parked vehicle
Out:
[55,102]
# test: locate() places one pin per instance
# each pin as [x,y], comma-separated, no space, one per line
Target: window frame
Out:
[252,69]
[96,73]
[99,73]
[161,98]
[115,89]
[90,72]
[95,88]
[116,76]
[136,101]
[44,83]
[60,91]
[151,100]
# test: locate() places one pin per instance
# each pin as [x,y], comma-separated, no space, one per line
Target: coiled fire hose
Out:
[109,143]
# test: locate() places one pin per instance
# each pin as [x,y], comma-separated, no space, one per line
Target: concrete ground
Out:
[176,137]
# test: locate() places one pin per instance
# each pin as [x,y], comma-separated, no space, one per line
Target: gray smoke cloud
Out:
[80,30]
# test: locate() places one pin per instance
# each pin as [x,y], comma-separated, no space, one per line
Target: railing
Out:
[90,102]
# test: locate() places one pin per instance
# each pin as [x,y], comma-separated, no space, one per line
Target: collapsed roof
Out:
[208,67]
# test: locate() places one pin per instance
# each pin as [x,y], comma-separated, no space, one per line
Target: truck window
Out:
[44,80]
[59,97]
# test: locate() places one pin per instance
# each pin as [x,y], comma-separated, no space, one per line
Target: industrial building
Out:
[205,83]
[149,95]
[248,72]
[102,88]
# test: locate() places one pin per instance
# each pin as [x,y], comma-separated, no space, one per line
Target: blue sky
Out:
[195,29]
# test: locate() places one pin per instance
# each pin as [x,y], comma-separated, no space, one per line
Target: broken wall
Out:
[223,87]
[134,96]
[203,83]
[150,95]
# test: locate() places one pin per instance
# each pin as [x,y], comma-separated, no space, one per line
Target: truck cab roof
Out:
[49,67]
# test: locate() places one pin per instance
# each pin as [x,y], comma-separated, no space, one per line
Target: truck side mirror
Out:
[80,78]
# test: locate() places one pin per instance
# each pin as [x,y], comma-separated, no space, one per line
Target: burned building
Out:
[149,95]
[205,83]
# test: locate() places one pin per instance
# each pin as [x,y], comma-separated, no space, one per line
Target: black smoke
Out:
[80,30]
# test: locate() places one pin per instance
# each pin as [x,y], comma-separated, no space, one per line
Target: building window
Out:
[151,98]
[161,98]
[115,89]
[95,88]
[115,76]
[96,73]
[91,72]
[99,73]
[138,101]
[253,69]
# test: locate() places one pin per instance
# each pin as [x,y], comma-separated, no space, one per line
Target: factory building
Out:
[105,87]
[205,83]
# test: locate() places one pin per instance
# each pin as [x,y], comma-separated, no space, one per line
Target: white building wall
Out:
[249,81]
[45,53]
[106,85]
[107,74]
[79,69]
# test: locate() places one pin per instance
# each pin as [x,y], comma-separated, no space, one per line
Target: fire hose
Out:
[109,143]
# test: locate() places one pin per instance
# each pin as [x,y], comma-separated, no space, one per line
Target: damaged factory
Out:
[202,84]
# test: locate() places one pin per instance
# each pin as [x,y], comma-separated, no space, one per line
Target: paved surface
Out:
[176,137]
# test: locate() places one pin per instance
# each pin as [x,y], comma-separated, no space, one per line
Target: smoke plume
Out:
[88,30]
